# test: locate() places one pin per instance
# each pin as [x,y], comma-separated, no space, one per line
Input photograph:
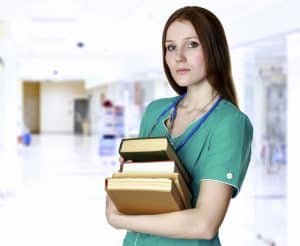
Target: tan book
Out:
[182,187]
[150,166]
[151,149]
[144,195]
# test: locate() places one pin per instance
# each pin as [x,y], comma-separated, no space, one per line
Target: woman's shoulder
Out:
[231,122]
[162,101]
[160,104]
[230,112]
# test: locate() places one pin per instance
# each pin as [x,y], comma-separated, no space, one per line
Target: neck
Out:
[198,96]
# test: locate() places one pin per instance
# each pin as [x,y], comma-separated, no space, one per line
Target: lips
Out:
[182,70]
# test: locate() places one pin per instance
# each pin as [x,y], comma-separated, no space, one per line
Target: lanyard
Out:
[173,114]
[171,106]
[199,123]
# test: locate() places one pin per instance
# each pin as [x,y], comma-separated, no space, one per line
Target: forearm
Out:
[188,224]
[202,222]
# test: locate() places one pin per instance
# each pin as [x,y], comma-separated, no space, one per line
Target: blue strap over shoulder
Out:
[198,125]
[172,106]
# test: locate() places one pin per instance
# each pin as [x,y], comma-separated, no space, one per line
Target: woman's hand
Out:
[112,213]
[122,161]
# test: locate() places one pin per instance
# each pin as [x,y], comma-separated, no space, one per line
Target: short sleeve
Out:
[229,152]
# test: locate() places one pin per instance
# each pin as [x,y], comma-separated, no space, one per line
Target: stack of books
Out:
[152,181]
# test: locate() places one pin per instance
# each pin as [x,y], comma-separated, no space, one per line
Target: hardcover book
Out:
[183,189]
[144,195]
[149,166]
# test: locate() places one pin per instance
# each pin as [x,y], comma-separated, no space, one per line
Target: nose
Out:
[180,55]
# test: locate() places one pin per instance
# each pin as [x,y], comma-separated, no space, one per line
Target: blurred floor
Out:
[60,199]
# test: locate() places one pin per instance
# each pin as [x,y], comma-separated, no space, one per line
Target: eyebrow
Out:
[194,37]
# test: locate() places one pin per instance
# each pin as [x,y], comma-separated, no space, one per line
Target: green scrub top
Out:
[219,150]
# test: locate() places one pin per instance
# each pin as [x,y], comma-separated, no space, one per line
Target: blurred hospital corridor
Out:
[61,199]
[77,76]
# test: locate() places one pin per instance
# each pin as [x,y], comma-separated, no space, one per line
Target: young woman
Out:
[210,134]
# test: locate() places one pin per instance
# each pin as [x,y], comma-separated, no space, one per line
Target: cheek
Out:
[169,61]
[198,59]
[167,58]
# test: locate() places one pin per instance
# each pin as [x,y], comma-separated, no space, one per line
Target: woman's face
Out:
[184,54]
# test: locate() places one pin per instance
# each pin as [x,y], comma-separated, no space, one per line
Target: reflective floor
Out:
[55,196]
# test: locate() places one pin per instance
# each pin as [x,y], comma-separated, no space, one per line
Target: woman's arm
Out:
[202,222]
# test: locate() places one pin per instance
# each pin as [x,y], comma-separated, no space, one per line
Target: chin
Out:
[185,83]
[188,82]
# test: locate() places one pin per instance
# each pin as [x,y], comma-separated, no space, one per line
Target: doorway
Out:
[81,109]
[31,106]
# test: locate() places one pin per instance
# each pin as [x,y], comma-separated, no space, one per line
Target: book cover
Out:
[143,195]
[149,166]
[182,187]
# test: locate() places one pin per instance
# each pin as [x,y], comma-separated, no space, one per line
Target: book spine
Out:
[184,190]
[182,170]
[177,196]
[173,155]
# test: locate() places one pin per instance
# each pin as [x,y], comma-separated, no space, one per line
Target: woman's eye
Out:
[171,47]
[193,44]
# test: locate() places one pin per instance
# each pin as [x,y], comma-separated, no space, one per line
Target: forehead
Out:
[180,29]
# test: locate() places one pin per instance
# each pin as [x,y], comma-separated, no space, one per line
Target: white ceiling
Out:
[121,38]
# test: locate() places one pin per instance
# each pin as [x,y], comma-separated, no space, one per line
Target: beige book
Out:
[143,195]
[150,166]
[182,187]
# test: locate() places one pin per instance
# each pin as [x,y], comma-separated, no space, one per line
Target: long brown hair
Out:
[215,48]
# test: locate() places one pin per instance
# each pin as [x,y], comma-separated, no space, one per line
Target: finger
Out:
[121,159]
